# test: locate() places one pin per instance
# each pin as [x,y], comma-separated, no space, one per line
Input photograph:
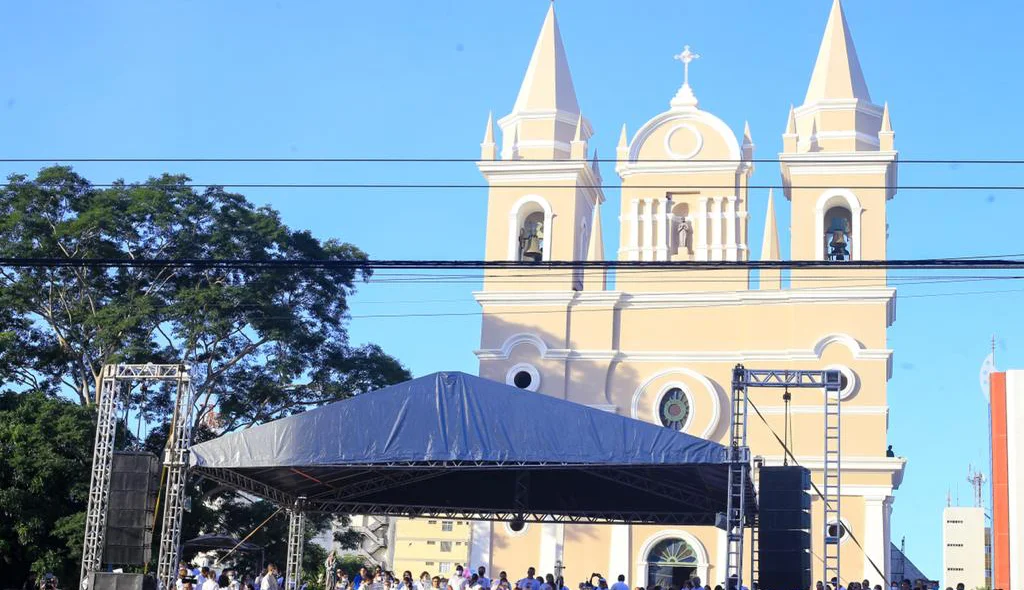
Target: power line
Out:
[477,186]
[426,160]
[358,265]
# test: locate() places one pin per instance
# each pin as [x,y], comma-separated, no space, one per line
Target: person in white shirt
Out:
[210,583]
[529,582]
[457,581]
[424,582]
[269,581]
[621,584]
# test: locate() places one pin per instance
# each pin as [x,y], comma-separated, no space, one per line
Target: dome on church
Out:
[685,134]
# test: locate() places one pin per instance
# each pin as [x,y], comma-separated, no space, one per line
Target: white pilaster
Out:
[552,536]
[731,220]
[647,252]
[874,537]
[663,228]
[721,556]
[716,228]
[635,233]
[480,544]
[887,537]
[700,236]
[618,558]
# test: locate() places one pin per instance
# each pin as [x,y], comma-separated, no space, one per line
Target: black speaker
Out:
[134,482]
[110,581]
[784,540]
[784,520]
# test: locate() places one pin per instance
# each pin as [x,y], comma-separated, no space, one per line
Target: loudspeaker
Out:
[784,538]
[134,483]
[779,540]
[784,520]
[785,499]
[109,581]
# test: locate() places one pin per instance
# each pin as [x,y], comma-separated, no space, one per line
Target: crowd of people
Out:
[377,578]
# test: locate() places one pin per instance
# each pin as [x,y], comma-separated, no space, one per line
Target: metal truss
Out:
[102,463]
[739,459]
[378,483]
[238,481]
[112,379]
[296,544]
[176,464]
[574,516]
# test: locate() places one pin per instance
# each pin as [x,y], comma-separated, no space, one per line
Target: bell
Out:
[532,250]
[837,245]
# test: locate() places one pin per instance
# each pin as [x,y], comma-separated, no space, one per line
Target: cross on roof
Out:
[686,57]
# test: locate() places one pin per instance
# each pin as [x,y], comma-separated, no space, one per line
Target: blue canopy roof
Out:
[370,453]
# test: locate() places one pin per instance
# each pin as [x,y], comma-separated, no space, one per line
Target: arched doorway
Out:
[670,563]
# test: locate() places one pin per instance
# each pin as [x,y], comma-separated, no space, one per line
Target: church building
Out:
[659,344]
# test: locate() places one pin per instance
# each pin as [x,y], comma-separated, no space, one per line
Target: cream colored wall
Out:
[586,551]
[417,544]
[514,553]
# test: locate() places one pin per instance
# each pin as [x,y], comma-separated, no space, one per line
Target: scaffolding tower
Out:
[739,461]
[113,379]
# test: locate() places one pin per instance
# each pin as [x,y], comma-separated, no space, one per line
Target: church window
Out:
[670,563]
[524,376]
[838,238]
[674,409]
[836,530]
[522,379]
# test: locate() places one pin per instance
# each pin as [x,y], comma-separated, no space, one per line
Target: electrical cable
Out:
[360,265]
[442,160]
[459,186]
[817,490]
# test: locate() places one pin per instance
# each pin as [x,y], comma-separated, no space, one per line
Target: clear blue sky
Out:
[405,78]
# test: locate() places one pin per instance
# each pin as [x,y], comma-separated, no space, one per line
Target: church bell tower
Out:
[544,197]
[838,167]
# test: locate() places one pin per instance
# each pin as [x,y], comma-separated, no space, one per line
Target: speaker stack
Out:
[784,536]
[134,481]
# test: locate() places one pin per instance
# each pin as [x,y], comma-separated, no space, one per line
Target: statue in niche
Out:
[683,234]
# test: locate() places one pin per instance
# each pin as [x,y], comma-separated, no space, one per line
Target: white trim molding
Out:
[532,371]
[708,387]
[702,564]
[892,465]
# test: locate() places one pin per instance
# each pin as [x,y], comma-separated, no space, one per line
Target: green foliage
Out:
[263,342]
[46,445]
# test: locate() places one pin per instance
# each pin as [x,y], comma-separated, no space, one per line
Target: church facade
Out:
[659,344]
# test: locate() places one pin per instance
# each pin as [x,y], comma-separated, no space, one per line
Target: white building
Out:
[963,547]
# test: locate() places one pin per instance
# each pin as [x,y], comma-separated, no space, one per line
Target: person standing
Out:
[530,581]
[620,584]
[484,581]
[330,578]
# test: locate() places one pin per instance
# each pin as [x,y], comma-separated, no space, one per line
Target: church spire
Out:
[488,150]
[770,278]
[546,104]
[886,136]
[837,72]
[595,279]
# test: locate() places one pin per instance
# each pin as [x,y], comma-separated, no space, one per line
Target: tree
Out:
[263,341]
[46,445]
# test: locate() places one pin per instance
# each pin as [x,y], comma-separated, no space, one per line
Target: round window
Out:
[674,409]
[836,530]
[522,380]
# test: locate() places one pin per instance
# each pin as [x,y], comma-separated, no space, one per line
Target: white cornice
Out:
[688,356]
[892,465]
[623,300]
[517,172]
